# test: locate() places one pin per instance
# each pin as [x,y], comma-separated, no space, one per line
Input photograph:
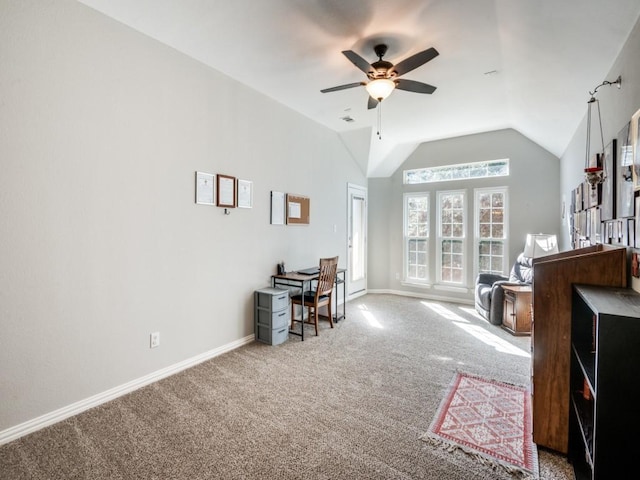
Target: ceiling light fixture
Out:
[380,88]
[594,166]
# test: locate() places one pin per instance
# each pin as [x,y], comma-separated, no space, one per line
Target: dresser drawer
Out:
[275,319]
[273,299]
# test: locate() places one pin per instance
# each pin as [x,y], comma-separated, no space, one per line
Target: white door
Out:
[357,241]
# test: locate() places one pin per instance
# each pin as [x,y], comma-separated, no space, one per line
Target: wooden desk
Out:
[516,316]
[303,282]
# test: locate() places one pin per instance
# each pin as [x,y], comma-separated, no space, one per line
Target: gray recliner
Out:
[489,294]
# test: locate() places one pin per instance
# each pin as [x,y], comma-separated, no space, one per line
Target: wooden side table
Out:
[516,316]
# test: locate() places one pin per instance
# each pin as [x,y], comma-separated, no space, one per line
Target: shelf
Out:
[584,415]
[587,364]
[603,422]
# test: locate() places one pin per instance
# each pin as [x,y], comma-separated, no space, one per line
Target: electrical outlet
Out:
[155,339]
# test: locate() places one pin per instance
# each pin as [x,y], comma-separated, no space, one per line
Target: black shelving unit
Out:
[604,417]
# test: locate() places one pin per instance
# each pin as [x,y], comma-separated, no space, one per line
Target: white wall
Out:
[101,131]
[534,202]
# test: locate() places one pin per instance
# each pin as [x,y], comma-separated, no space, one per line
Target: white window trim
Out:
[405,239]
[476,228]
[439,238]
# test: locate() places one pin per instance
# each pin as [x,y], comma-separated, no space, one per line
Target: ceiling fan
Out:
[384,76]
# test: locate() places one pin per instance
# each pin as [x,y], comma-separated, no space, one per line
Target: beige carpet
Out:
[349,404]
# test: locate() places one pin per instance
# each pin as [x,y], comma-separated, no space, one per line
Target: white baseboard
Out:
[56,416]
[361,293]
[426,296]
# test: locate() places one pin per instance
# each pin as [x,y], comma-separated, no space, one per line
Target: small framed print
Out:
[205,188]
[635,148]
[624,174]
[226,189]
[637,222]
[609,183]
[245,194]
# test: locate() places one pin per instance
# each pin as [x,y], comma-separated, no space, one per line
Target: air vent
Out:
[347,119]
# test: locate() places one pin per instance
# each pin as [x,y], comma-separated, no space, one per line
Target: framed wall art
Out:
[226,189]
[205,188]
[277,208]
[297,210]
[624,175]
[245,194]
[637,222]
[608,185]
[635,149]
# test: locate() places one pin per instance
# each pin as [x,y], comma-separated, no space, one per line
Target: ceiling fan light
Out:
[380,88]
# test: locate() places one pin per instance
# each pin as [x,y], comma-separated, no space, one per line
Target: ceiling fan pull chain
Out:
[379,120]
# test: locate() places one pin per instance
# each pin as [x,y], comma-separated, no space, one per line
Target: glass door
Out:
[357,241]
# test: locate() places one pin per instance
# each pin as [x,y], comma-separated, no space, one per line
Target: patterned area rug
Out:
[490,420]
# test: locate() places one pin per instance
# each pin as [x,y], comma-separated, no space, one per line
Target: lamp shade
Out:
[380,89]
[540,245]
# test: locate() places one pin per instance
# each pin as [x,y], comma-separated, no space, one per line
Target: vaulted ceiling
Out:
[521,64]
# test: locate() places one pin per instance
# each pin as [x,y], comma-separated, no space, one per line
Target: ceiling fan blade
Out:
[342,87]
[413,86]
[372,103]
[358,61]
[414,61]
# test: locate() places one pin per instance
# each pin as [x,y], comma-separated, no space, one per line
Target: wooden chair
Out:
[322,296]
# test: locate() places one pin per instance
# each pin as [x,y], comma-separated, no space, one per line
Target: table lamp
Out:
[540,245]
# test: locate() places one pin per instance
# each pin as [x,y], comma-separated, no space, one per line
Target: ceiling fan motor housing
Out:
[381,68]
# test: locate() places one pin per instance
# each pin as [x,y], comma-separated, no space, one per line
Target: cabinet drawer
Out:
[273,299]
[272,336]
[274,320]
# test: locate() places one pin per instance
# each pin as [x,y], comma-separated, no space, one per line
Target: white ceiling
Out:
[545,55]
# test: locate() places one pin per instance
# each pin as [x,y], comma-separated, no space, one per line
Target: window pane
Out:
[422,273]
[496,264]
[457,276]
[483,169]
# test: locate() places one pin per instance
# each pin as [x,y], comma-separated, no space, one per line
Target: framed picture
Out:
[245,194]
[205,188]
[609,232]
[277,208]
[596,223]
[608,185]
[635,149]
[637,222]
[631,239]
[624,175]
[298,209]
[579,197]
[623,233]
[226,189]
[592,195]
